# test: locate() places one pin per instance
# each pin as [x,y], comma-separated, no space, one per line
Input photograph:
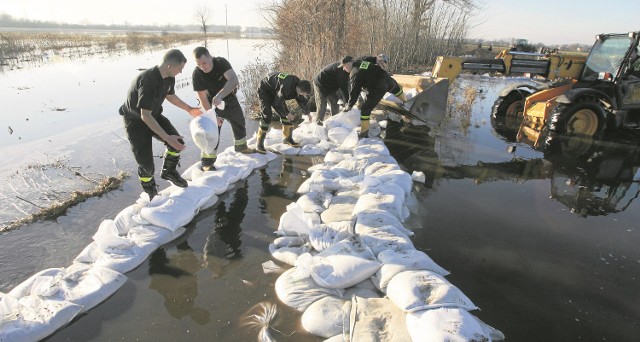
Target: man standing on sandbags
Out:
[273,91]
[143,119]
[377,82]
[329,84]
[215,81]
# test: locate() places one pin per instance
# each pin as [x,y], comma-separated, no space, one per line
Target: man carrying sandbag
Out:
[331,84]
[143,119]
[273,91]
[216,84]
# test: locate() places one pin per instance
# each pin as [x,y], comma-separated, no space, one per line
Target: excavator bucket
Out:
[430,105]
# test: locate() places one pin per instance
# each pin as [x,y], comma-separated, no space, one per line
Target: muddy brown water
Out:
[546,244]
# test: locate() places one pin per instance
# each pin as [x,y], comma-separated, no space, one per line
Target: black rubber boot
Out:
[170,173]
[243,148]
[262,135]
[208,164]
[150,188]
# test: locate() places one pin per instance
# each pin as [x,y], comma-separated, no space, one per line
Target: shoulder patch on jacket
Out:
[364,65]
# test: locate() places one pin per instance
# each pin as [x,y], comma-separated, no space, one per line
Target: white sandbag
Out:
[337,135]
[374,218]
[336,156]
[378,168]
[309,133]
[287,249]
[119,260]
[107,237]
[394,262]
[351,166]
[363,289]
[342,265]
[420,290]
[374,319]
[157,235]
[282,148]
[312,202]
[311,150]
[204,131]
[170,213]
[336,338]
[370,148]
[386,238]
[312,219]
[213,180]
[449,324]
[32,318]
[293,221]
[351,141]
[80,284]
[324,317]
[297,290]
[126,218]
[341,207]
[194,193]
[325,235]
[397,178]
[348,120]
[230,173]
[390,203]
[418,176]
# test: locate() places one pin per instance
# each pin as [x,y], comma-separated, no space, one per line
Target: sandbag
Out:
[420,290]
[342,265]
[287,249]
[396,261]
[325,235]
[32,318]
[449,324]
[391,203]
[313,202]
[150,233]
[80,284]
[169,213]
[297,290]
[374,218]
[374,319]
[119,260]
[293,221]
[386,238]
[324,317]
[204,131]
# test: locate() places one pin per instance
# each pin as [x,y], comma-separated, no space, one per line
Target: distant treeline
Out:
[11,22]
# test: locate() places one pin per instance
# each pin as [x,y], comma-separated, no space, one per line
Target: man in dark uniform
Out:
[215,81]
[381,60]
[331,83]
[273,91]
[377,82]
[143,119]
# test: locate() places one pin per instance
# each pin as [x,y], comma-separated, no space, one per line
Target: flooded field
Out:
[544,243]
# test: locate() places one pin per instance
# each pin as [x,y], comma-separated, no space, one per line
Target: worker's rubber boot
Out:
[262,135]
[150,188]
[287,131]
[169,171]
[243,148]
[364,129]
[207,164]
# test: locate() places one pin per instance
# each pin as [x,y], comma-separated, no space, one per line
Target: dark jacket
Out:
[279,87]
[365,75]
[331,79]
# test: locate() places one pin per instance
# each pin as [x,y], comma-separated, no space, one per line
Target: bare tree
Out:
[202,16]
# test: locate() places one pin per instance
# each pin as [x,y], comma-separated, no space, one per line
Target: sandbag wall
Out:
[355,273]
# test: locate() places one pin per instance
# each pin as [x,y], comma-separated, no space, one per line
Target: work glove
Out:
[347,108]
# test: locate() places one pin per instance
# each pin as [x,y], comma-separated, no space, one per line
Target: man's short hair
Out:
[304,86]
[174,57]
[201,51]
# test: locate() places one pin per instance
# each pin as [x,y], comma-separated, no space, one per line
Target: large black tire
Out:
[585,116]
[511,106]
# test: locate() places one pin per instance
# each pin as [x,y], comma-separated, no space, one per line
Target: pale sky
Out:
[546,21]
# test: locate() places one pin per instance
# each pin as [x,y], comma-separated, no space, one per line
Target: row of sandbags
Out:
[50,299]
[355,273]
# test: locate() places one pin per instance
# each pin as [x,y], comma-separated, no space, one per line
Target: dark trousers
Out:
[232,112]
[321,102]
[267,100]
[140,137]
[376,93]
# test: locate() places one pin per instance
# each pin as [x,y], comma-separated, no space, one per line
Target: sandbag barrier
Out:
[355,273]
[50,299]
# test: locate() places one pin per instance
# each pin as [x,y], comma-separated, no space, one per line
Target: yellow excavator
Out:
[430,104]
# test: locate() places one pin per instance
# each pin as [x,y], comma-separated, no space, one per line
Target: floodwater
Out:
[544,243]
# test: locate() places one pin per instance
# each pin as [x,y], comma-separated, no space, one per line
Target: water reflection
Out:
[589,177]
[176,280]
[175,275]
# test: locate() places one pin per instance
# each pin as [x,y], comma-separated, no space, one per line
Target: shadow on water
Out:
[546,245]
